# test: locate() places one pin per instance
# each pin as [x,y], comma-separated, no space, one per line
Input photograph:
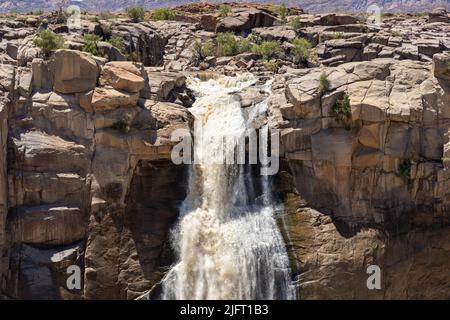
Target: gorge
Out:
[87,177]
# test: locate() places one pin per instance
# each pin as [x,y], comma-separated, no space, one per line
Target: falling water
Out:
[227,239]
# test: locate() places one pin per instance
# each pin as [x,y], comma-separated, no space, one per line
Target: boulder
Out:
[441,66]
[107,99]
[208,22]
[242,19]
[122,75]
[160,86]
[75,71]
[278,33]
[438,15]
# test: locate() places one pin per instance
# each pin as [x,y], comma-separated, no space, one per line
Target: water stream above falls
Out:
[227,240]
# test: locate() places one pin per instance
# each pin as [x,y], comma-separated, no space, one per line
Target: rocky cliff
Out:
[86,176]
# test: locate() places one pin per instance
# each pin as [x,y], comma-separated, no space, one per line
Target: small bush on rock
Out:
[342,111]
[91,44]
[268,49]
[296,24]
[48,41]
[208,49]
[227,45]
[404,170]
[323,83]
[282,12]
[164,14]
[136,14]
[117,42]
[301,49]
[202,51]
[224,10]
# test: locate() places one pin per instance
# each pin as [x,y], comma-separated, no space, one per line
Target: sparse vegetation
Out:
[224,10]
[282,12]
[254,38]
[164,14]
[136,14]
[91,44]
[342,111]
[106,15]
[203,50]
[106,30]
[295,23]
[404,170]
[121,125]
[301,49]
[124,124]
[338,35]
[323,83]
[244,45]
[268,49]
[117,42]
[38,12]
[227,45]
[48,41]
[271,66]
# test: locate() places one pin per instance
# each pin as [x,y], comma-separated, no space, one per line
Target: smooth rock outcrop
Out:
[74,71]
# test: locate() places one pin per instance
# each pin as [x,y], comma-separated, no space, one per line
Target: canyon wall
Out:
[380,175]
[86,177]
[89,178]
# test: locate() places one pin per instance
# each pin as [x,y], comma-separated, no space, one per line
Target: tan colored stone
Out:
[123,76]
[107,99]
[75,71]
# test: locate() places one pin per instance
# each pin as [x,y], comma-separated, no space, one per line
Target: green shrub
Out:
[227,45]
[404,170]
[296,24]
[48,41]
[207,49]
[224,10]
[203,50]
[323,83]
[342,111]
[268,49]
[244,45]
[91,44]
[301,49]
[121,125]
[118,43]
[282,12]
[164,14]
[136,14]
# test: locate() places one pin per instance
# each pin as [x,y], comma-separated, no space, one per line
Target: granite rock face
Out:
[380,175]
[86,177]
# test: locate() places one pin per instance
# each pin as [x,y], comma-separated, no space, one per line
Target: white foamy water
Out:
[227,240]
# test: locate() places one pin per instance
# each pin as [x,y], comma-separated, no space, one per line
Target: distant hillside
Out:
[308,5]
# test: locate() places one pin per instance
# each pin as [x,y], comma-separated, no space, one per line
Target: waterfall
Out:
[227,239]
